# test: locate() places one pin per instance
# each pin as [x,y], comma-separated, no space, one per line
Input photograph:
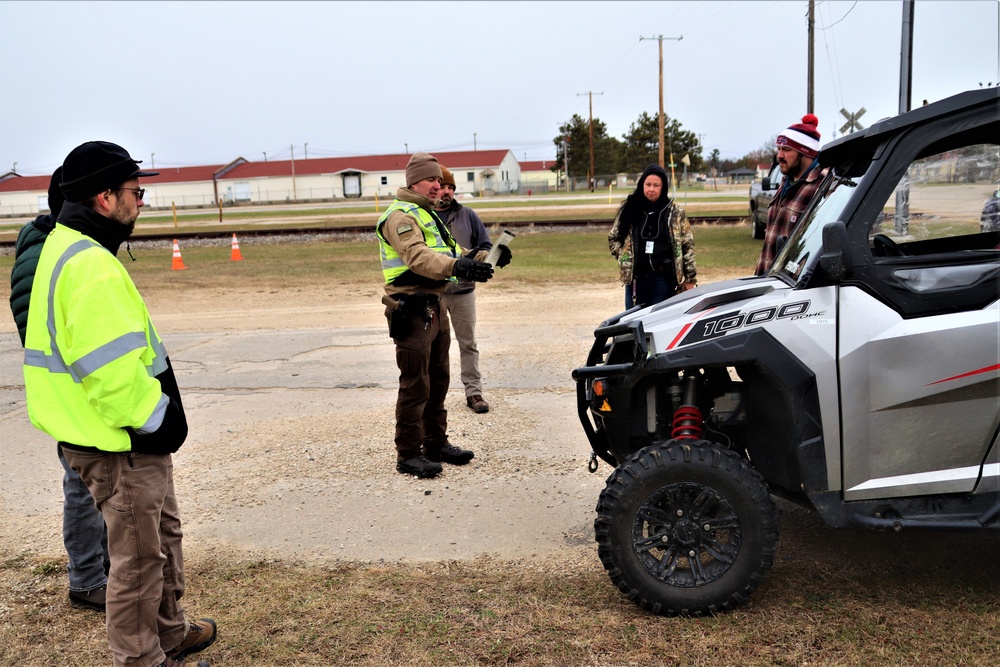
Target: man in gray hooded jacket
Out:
[460,298]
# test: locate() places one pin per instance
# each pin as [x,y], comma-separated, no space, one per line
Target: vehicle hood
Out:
[667,323]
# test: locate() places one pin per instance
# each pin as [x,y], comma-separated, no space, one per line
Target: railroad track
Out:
[350,230]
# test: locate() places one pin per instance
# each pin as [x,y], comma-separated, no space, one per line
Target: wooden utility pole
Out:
[660,38]
[590,174]
[809,76]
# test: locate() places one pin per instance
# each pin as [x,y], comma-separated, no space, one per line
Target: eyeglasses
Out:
[139,192]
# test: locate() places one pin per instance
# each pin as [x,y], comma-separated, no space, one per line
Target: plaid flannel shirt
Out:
[784,212]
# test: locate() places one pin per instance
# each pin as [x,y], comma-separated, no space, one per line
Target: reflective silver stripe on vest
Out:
[160,362]
[105,354]
[55,363]
[95,359]
[393,263]
[155,420]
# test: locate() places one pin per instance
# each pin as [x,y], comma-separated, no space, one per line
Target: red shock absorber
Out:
[688,423]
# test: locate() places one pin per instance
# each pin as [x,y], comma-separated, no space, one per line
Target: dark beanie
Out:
[652,170]
[96,166]
[446,177]
[421,166]
[56,198]
[802,137]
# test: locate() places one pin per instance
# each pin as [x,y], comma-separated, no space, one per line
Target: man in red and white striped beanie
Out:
[797,147]
[801,137]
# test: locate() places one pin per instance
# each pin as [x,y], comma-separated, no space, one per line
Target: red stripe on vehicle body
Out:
[685,329]
[994,367]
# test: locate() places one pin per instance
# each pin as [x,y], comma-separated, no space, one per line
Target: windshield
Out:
[799,254]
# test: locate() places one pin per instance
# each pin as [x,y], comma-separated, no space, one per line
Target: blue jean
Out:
[650,289]
[84,533]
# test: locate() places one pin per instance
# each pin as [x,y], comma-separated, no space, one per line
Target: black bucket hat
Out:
[96,166]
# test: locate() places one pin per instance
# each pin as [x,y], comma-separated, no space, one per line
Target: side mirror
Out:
[835,258]
[765,183]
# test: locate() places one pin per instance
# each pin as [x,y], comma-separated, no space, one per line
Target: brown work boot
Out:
[477,404]
[95,599]
[173,663]
[200,635]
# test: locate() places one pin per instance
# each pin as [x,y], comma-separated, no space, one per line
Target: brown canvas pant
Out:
[462,313]
[135,494]
[422,358]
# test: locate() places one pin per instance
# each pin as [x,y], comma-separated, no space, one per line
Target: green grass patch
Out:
[540,257]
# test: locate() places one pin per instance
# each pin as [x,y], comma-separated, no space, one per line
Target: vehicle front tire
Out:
[686,528]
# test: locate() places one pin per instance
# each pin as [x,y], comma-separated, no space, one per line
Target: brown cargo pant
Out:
[422,358]
[135,494]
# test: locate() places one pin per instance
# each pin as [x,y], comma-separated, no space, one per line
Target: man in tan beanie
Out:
[420,258]
[460,298]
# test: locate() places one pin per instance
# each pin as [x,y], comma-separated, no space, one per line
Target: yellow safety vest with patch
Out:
[91,352]
[392,264]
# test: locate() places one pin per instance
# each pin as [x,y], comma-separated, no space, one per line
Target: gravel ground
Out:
[290,398]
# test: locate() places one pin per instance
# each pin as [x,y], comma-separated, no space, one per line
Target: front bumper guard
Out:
[596,368]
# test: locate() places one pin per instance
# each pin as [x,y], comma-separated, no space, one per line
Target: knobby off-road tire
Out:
[686,528]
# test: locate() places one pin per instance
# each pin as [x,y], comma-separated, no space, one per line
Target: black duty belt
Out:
[417,300]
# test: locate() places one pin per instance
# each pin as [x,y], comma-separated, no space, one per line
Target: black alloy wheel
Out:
[686,528]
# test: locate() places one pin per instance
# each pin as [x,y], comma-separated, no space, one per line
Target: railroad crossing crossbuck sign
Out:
[852,124]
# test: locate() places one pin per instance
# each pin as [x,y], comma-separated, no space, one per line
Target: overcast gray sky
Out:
[185,83]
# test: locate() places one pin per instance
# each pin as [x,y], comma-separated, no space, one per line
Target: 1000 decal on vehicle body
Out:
[720,325]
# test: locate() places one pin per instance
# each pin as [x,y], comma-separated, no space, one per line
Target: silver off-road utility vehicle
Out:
[860,377]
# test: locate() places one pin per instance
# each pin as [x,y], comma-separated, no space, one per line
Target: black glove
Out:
[470,269]
[504,258]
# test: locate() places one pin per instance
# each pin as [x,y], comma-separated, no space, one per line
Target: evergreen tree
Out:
[606,149]
[641,147]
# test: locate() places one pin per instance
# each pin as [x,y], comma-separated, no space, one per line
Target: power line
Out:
[832,63]
[842,17]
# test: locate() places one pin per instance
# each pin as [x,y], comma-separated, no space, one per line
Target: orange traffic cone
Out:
[178,263]
[236,256]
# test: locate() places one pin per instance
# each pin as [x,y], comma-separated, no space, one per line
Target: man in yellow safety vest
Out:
[419,259]
[98,380]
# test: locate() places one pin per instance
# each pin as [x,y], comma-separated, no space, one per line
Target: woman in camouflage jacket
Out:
[652,241]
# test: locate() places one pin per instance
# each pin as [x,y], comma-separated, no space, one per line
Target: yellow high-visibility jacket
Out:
[91,353]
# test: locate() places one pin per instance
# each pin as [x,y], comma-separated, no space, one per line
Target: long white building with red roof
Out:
[280,181]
